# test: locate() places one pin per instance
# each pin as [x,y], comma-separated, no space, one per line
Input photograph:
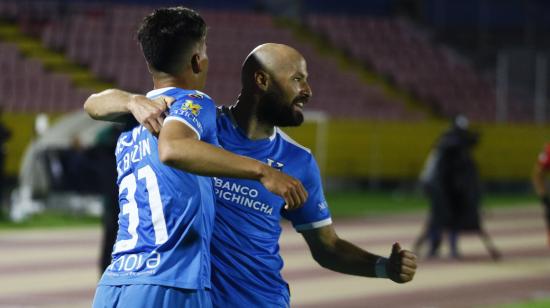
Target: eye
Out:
[297,78]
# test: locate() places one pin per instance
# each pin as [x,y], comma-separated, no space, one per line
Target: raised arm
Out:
[336,254]
[113,105]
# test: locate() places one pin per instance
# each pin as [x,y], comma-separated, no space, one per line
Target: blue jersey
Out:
[166,214]
[246,263]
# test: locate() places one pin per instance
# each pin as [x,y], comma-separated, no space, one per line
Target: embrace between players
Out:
[202,189]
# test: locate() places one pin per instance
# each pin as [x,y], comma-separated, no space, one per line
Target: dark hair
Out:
[167,35]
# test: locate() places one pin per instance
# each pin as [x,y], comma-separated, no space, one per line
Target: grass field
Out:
[541,303]
[356,203]
[342,204]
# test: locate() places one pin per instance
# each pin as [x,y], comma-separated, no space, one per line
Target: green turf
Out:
[50,220]
[354,203]
[535,303]
[342,204]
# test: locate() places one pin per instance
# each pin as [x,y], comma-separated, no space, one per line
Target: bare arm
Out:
[108,105]
[114,104]
[339,255]
[180,148]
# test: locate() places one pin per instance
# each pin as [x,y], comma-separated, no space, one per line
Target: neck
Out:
[245,112]
[163,80]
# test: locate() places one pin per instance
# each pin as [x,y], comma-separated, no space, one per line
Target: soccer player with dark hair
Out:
[246,263]
[540,170]
[162,257]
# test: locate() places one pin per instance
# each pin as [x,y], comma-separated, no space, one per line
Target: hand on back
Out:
[150,113]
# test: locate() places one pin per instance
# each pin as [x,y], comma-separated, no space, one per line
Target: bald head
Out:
[273,59]
[274,78]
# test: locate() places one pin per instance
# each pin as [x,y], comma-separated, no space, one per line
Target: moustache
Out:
[301,99]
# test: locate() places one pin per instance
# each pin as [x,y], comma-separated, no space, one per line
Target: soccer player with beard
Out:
[246,263]
[162,254]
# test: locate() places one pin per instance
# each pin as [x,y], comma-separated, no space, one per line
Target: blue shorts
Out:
[147,296]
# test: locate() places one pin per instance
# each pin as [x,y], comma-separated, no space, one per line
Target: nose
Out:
[306,90]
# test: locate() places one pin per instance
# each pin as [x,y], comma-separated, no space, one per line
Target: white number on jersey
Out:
[129,183]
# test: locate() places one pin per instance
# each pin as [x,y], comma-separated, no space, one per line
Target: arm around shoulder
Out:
[180,147]
[108,105]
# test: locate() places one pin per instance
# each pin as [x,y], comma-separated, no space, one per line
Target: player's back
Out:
[165,219]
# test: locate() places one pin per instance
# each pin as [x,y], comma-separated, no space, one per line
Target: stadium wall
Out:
[387,150]
[21,126]
[382,150]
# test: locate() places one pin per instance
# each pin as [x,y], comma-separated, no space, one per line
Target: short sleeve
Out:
[196,111]
[315,212]
[544,158]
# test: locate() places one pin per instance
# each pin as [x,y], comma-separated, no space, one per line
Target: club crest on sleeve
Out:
[192,107]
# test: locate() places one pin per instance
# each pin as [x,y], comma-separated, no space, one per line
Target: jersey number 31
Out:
[129,183]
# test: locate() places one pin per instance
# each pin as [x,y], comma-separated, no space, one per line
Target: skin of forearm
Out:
[538,181]
[108,105]
[201,158]
[346,258]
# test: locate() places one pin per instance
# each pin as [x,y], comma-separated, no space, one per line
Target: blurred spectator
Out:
[4,136]
[451,181]
[103,154]
[541,169]
[92,170]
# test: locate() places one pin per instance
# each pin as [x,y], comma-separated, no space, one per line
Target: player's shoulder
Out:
[190,101]
[297,150]
[182,95]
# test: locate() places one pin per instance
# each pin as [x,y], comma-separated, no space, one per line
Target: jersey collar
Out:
[156,92]
[229,112]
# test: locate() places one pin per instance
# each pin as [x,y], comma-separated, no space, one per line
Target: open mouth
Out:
[299,104]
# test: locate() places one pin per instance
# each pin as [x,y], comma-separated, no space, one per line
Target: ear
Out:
[196,63]
[261,79]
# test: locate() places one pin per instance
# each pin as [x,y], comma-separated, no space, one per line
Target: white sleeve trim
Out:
[173,118]
[313,225]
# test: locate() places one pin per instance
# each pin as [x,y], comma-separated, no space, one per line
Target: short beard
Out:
[272,110]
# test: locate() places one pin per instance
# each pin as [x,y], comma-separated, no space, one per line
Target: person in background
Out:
[105,176]
[540,170]
[451,181]
[5,135]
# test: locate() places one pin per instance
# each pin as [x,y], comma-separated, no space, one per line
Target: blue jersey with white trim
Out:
[166,214]
[246,263]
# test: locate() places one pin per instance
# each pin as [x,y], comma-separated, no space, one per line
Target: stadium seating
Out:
[25,86]
[399,50]
[104,40]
